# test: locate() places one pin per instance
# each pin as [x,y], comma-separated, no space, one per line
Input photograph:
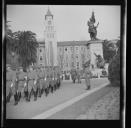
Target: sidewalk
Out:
[107,108]
[27,110]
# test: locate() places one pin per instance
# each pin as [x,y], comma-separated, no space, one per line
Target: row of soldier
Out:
[76,75]
[36,81]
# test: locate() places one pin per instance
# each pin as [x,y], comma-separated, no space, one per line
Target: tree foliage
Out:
[26,47]
[23,45]
[108,51]
[114,67]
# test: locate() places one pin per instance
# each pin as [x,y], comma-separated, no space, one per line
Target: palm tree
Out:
[11,56]
[26,47]
[9,37]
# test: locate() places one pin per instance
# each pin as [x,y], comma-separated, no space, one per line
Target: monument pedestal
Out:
[96,47]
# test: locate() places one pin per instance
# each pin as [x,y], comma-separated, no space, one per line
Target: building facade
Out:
[72,54]
[65,54]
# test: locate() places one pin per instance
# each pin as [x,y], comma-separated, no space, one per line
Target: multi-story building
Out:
[66,54]
[72,54]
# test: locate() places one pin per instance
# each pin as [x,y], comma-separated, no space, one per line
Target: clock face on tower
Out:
[49,22]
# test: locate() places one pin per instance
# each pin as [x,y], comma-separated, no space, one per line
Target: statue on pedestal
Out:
[92,29]
[99,61]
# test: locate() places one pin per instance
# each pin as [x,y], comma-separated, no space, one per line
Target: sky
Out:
[70,20]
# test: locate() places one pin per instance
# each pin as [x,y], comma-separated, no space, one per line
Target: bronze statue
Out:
[99,61]
[92,29]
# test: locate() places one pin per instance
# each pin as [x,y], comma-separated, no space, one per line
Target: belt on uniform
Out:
[21,80]
[30,79]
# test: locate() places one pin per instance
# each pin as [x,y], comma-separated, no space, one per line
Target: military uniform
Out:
[45,82]
[73,75]
[59,79]
[12,85]
[32,84]
[9,84]
[26,86]
[55,80]
[87,77]
[78,76]
[40,82]
[21,82]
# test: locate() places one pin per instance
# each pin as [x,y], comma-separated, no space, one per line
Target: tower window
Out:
[77,64]
[41,58]
[65,49]
[49,22]
[77,56]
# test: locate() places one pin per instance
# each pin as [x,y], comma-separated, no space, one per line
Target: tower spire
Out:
[48,13]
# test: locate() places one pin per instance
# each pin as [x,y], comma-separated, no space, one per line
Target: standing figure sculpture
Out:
[92,29]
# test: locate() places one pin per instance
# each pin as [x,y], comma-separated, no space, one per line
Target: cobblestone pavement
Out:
[107,108]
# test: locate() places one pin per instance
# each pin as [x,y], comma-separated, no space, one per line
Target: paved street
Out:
[26,110]
[79,110]
[107,108]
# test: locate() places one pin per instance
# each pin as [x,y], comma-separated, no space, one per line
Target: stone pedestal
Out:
[96,47]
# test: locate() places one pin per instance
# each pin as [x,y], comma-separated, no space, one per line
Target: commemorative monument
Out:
[95,45]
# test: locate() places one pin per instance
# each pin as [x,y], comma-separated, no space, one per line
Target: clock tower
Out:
[50,40]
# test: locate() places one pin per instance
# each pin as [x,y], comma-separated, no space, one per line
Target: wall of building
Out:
[72,56]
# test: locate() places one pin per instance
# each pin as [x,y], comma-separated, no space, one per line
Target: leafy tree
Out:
[26,47]
[108,51]
[11,56]
[9,38]
[114,67]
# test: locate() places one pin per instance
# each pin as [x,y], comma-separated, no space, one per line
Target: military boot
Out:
[29,96]
[35,95]
[8,97]
[16,99]
[19,96]
[26,95]
[39,93]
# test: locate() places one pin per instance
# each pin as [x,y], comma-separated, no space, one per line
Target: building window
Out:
[72,56]
[65,49]
[49,22]
[41,58]
[77,56]
[76,48]
[77,64]
[72,64]
[40,50]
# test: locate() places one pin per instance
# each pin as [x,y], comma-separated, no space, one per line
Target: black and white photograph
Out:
[63,62]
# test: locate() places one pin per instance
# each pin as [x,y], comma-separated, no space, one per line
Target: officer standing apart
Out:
[87,75]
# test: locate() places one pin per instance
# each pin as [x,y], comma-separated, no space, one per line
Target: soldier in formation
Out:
[21,82]
[36,81]
[32,83]
[73,75]
[79,76]
[11,85]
